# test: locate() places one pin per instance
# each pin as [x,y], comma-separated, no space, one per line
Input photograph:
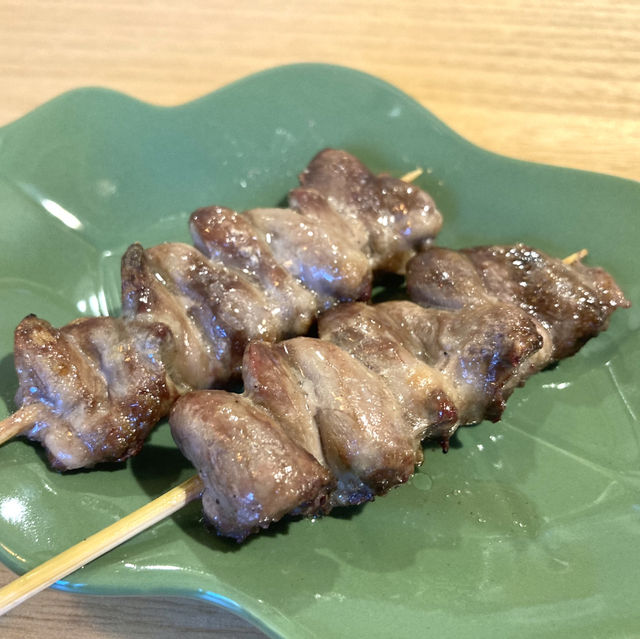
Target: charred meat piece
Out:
[253,472]
[484,352]
[318,256]
[98,386]
[395,217]
[375,338]
[572,302]
[230,238]
[364,438]
[213,311]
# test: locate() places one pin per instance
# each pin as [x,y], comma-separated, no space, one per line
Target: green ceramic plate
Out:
[529,527]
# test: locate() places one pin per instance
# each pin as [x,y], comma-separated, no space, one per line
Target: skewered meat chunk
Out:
[97,386]
[363,436]
[447,368]
[212,310]
[571,302]
[229,238]
[263,275]
[359,406]
[372,336]
[326,263]
[272,382]
[485,352]
[393,219]
[253,473]
[312,205]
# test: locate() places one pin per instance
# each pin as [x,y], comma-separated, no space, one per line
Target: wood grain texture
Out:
[59,614]
[550,81]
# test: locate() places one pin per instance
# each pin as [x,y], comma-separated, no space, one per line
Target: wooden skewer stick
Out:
[19,422]
[574,257]
[97,545]
[412,175]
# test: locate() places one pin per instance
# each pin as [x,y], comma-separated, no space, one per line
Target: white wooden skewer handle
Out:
[93,547]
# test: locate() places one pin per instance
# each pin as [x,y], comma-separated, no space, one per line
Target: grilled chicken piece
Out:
[485,352]
[272,382]
[363,436]
[97,385]
[375,338]
[445,368]
[315,254]
[253,472]
[213,311]
[391,218]
[229,238]
[570,302]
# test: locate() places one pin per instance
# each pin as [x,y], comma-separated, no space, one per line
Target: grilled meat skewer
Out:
[264,274]
[444,367]
[358,401]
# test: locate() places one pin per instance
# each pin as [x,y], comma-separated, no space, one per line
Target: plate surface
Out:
[529,527]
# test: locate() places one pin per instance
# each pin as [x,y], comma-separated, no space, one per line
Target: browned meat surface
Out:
[148,294]
[484,352]
[262,275]
[213,311]
[375,338]
[266,274]
[319,257]
[99,385]
[253,472]
[365,440]
[396,218]
[571,302]
[336,409]
[229,238]
[312,205]
[446,368]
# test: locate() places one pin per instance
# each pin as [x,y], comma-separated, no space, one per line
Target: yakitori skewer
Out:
[188,313]
[396,339]
[260,367]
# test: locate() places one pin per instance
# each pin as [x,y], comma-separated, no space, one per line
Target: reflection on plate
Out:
[529,527]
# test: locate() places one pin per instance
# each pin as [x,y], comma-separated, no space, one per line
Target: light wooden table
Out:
[550,80]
